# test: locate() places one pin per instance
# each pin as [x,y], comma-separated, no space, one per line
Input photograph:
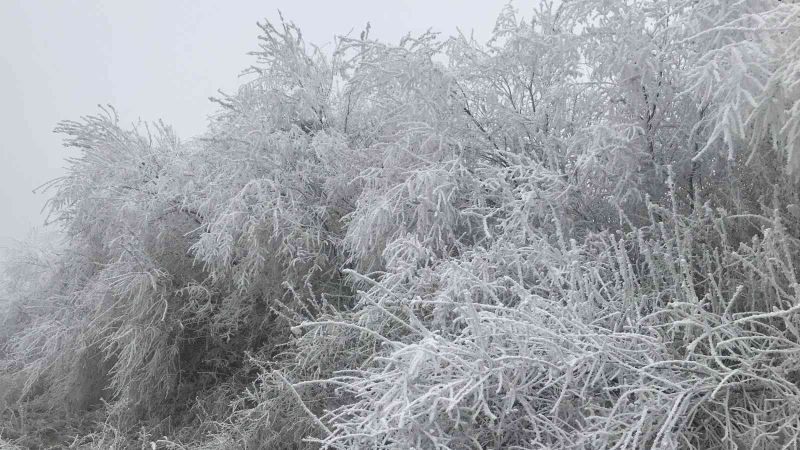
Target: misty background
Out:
[157,60]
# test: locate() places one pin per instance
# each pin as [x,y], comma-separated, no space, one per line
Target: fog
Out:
[155,60]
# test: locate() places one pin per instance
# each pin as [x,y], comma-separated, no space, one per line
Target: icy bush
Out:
[580,234]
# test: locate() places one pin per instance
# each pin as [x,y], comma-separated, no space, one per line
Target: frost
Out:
[580,234]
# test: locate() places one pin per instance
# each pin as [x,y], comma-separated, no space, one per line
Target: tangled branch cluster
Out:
[582,234]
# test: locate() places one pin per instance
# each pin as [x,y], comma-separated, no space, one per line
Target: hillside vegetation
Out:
[582,234]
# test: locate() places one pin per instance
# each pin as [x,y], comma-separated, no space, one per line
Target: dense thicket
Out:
[582,234]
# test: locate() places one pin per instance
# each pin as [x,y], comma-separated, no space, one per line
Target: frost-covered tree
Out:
[582,233]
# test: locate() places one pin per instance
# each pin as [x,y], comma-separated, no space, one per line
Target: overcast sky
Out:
[157,59]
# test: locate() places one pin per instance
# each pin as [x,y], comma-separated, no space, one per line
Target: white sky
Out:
[157,59]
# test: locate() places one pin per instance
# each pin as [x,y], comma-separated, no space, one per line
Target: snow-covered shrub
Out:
[580,234]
